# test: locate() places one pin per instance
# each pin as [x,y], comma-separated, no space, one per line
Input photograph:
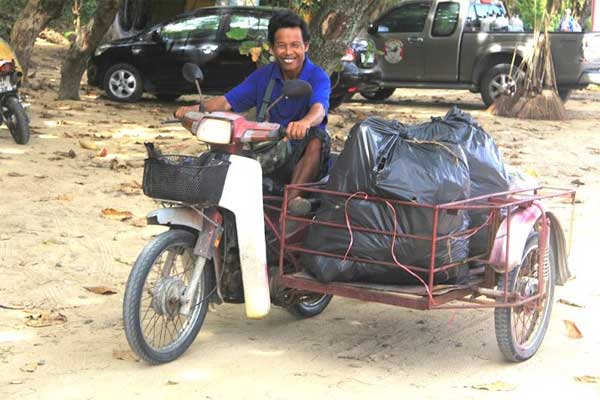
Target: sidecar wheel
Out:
[155,329]
[521,329]
[311,307]
[16,120]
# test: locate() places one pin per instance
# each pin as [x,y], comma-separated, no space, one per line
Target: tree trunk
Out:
[333,27]
[81,49]
[30,22]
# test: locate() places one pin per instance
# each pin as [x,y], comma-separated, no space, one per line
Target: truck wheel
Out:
[497,81]
[564,94]
[378,94]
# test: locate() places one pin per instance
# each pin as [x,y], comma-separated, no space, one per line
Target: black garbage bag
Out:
[486,170]
[380,159]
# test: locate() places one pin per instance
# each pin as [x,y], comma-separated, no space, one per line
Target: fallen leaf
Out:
[111,213]
[570,303]
[11,307]
[86,144]
[577,182]
[122,261]
[588,379]
[125,355]
[44,318]
[28,368]
[170,382]
[102,153]
[54,241]
[15,175]
[16,382]
[572,330]
[64,197]
[497,386]
[40,176]
[100,290]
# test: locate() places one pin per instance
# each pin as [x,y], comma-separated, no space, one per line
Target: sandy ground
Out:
[59,340]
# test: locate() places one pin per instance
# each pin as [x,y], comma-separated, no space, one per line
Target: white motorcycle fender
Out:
[242,195]
[183,216]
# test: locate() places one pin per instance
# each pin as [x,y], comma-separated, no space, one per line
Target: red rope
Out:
[392,250]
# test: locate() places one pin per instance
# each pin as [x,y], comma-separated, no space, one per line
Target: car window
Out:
[478,11]
[407,18]
[446,19]
[256,27]
[205,26]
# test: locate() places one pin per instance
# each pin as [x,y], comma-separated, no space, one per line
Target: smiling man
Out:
[305,119]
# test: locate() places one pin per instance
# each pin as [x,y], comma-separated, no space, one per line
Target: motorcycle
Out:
[12,110]
[228,241]
[217,248]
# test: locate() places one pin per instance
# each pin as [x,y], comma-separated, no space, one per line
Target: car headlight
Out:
[213,130]
[101,49]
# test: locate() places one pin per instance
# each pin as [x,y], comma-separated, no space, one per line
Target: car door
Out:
[442,44]
[241,27]
[399,39]
[191,39]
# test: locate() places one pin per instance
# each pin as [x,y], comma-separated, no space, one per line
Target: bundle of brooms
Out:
[536,96]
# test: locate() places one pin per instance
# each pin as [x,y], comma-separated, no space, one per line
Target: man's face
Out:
[289,50]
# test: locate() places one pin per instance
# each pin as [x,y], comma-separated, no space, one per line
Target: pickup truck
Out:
[465,44]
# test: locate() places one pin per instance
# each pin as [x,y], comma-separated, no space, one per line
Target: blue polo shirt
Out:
[251,91]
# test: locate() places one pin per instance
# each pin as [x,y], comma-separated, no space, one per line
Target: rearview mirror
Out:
[155,35]
[192,73]
[372,28]
[297,88]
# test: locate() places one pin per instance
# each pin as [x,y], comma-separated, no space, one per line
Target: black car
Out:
[152,60]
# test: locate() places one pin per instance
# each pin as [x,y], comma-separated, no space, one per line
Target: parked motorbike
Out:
[13,114]
[217,248]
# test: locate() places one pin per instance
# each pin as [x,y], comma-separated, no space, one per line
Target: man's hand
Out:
[296,130]
[181,111]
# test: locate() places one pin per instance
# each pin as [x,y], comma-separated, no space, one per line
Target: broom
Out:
[538,97]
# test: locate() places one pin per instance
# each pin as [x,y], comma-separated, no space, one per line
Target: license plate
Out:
[5,84]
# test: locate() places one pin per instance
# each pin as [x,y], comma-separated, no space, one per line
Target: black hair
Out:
[287,19]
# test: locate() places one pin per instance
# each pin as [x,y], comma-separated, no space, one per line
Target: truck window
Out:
[446,19]
[406,18]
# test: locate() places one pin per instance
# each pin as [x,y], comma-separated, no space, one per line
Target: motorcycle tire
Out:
[143,295]
[310,308]
[16,120]
[521,329]
[378,94]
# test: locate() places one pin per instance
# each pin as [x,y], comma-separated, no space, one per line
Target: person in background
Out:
[568,23]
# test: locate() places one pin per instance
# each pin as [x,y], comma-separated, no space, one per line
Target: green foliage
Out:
[237,33]
[530,11]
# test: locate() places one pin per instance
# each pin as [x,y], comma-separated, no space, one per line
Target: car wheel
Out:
[378,94]
[564,94]
[123,83]
[167,97]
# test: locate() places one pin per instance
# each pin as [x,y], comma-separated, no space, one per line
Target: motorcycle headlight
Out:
[213,130]
[101,49]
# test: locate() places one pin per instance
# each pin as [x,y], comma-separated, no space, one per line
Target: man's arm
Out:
[296,130]
[218,103]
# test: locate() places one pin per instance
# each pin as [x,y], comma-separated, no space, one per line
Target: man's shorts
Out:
[284,173]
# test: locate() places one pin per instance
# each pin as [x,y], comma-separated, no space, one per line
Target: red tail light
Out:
[349,56]
[7,66]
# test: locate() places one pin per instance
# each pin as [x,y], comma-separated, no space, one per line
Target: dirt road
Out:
[59,340]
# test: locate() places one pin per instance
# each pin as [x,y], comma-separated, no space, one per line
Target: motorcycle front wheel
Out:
[156,330]
[16,120]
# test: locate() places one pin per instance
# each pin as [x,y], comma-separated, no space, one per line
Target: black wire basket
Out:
[187,179]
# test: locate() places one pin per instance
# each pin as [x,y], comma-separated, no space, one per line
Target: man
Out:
[305,119]
[568,23]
